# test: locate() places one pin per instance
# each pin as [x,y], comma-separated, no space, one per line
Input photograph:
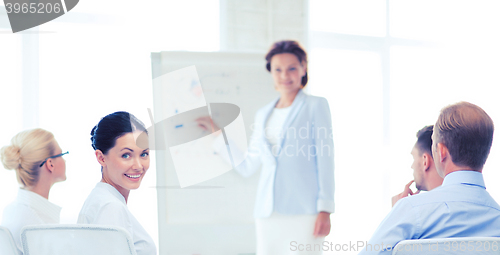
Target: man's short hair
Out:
[467,131]
[424,140]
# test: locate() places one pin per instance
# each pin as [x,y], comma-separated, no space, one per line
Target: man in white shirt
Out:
[425,174]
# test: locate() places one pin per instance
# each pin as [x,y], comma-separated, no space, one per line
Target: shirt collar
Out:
[48,211]
[466,177]
[111,190]
[300,95]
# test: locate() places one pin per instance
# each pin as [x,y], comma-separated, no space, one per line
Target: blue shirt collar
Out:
[466,177]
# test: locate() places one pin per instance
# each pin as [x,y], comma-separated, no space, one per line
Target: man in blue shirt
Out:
[461,206]
[425,174]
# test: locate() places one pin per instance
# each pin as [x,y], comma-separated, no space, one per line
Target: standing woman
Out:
[124,160]
[37,159]
[293,143]
[294,132]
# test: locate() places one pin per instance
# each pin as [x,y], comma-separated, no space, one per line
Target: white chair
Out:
[76,239]
[456,246]
[7,244]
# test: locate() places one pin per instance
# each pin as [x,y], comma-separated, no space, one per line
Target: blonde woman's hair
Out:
[27,150]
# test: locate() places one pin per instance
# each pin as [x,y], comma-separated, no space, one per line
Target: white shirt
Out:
[274,125]
[106,206]
[29,208]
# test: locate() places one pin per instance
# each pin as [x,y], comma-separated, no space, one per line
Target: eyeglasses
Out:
[58,155]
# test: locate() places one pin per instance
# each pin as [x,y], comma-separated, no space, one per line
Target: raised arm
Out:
[247,162]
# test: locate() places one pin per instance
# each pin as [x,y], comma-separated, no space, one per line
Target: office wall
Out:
[255,25]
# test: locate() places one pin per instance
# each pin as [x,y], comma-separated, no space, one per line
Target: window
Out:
[358,17]
[388,73]
[93,61]
[11,107]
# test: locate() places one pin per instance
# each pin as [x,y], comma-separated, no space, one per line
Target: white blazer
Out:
[106,206]
[29,208]
[299,177]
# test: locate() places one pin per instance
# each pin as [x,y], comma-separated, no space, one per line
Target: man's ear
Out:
[442,150]
[426,161]
[100,157]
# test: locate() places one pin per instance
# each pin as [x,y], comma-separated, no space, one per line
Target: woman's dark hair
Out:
[112,127]
[288,46]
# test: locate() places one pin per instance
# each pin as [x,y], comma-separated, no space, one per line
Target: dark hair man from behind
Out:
[425,175]
[424,140]
[461,206]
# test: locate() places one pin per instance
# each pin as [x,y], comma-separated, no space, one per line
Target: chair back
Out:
[7,244]
[76,239]
[456,246]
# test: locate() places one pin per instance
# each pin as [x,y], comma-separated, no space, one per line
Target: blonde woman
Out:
[37,159]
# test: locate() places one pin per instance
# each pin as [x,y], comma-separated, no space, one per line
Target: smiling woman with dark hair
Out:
[124,161]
